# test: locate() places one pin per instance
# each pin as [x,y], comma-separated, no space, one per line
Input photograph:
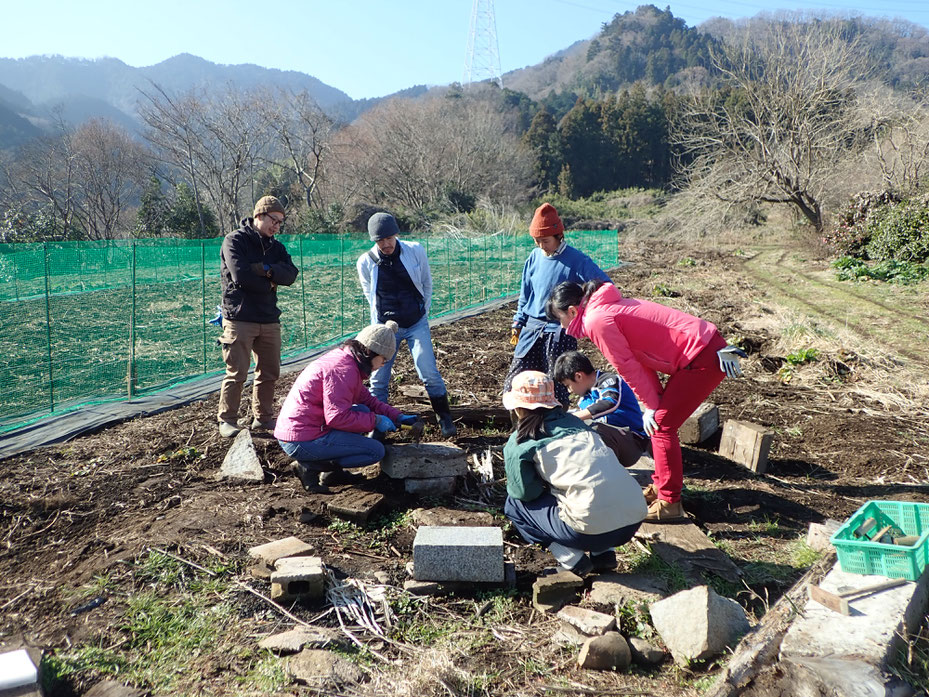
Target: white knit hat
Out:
[380,338]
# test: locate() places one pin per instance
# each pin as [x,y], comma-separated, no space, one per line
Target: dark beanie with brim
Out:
[381,226]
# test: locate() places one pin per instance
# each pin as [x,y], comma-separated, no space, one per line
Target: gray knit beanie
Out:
[380,338]
[382,226]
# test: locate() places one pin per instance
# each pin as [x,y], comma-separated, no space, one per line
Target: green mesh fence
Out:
[84,322]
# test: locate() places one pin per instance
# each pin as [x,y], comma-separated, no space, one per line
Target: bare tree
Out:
[111,169]
[174,132]
[216,139]
[414,153]
[301,134]
[785,120]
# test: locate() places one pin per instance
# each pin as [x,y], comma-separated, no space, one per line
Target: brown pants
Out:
[628,446]
[239,341]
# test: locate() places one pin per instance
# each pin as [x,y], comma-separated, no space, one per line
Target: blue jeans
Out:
[419,340]
[344,448]
[538,521]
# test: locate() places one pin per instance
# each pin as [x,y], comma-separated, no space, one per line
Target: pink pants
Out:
[683,393]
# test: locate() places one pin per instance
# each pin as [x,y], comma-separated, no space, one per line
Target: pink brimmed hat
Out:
[531,390]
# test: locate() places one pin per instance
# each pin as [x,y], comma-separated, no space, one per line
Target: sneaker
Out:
[340,476]
[267,425]
[661,511]
[228,430]
[605,561]
[650,493]
[310,479]
[583,567]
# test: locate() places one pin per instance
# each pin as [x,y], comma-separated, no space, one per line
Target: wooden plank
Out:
[700,425]
[747,444]
[832,601]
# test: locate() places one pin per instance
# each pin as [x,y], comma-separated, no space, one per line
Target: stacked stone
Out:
[427,469]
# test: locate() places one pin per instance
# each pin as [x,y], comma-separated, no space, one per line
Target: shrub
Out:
[900,232]
[851,234]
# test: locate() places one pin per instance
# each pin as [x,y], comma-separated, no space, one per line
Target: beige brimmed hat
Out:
[531,389]
[380,338]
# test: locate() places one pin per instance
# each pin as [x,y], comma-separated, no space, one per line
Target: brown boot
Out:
[650,493]
[661,511]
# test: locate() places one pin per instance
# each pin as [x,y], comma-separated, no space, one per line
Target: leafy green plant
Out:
[807,355]
[687,261]
[663,290]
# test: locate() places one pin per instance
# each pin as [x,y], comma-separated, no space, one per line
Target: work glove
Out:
[408,419]
[261,269]
[649,423]
[729,361]
[514,336]
[384,424]
[218,320]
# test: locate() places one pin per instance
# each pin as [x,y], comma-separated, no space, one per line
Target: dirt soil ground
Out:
[73,512]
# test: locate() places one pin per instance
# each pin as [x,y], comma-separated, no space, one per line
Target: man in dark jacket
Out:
[253,264]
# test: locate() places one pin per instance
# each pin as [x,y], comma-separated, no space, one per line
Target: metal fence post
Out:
[306,330]
[130,369]
[203,297]
[48,331]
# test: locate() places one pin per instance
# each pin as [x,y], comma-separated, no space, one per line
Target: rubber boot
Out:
[444,414]
[310,478]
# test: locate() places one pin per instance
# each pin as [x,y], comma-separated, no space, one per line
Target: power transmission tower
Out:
[482,61]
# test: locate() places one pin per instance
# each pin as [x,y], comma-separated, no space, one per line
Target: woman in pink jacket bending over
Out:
[328,411]
[641,339]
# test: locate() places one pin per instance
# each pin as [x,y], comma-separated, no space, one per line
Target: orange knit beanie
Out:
[546,222]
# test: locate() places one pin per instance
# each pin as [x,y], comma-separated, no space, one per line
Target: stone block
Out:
[607,652]
[296,577]
[747,444]
[590,622]
[644,653]
[702,424]
[107,688]
[424,461]
[551,593]
[458,554]
[354,505]
[270,552]
[324,671]
[698,624]
[449,516]
[434,486]
[19,673]
[614,589]
[298,638]
[819,534]
[241,462]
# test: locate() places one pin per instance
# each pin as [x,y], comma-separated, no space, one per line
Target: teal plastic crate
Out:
[862,556]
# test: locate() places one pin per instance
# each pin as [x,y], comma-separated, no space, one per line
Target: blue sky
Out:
[367,48]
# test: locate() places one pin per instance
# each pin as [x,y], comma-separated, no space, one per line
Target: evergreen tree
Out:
[542,139]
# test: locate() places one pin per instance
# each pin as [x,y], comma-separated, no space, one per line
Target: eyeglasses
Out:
[276,221]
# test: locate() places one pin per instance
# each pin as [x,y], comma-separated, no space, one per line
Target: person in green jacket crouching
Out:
[566,490]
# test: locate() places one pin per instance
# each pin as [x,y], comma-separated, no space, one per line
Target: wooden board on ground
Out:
[686,546]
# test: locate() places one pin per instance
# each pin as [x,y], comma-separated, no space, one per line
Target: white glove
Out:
[729,361]
[649,423]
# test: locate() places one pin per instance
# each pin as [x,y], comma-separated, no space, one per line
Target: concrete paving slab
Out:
[849,654]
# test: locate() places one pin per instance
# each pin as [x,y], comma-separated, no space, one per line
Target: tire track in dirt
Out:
[848,308]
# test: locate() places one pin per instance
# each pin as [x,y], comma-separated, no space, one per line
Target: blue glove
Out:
[384,424]
[729,361]
[408,419]
[218,320]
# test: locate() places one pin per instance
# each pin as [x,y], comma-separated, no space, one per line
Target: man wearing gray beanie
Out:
[397,283]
